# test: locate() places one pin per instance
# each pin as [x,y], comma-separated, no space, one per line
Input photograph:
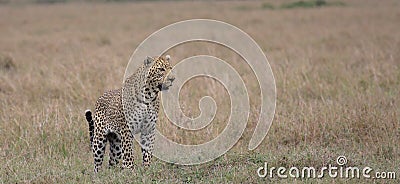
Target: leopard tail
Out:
[90,121]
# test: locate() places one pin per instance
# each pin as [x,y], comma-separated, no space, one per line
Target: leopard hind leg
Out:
[115,148]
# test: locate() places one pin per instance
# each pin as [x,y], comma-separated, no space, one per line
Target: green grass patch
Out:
[268,6]
[310,4]
[50,1]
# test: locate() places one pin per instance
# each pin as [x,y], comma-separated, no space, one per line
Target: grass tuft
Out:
[268,6]
[7,63]
[337,80]
[310,4]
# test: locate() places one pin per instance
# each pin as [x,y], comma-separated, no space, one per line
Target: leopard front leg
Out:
[147,137]
[127,149]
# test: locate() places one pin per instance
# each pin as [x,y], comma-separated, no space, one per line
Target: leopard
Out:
[132,109]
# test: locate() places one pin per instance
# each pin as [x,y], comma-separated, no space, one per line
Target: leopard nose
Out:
[171,78]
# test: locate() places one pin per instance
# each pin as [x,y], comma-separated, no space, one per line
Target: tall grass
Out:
[337,74]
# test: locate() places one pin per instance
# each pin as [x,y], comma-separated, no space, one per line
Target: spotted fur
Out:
[116,122]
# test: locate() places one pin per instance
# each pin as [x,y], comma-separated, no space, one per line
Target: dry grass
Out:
[336,68]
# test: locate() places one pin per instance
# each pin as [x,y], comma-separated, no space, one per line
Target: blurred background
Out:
[336,66]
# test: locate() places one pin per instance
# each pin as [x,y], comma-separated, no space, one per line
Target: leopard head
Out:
[158,75]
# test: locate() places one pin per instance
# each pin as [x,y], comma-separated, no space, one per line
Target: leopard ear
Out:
[168,57]
[148,60]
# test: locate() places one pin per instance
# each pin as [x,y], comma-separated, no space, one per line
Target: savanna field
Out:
[336,67]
